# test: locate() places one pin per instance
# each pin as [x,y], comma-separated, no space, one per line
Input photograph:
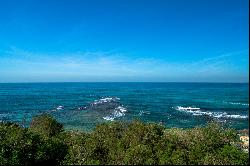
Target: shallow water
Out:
[83,105]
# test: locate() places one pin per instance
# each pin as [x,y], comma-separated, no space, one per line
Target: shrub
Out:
[22,146]
[118,143]
[51,151]
[45,125]
[18,146]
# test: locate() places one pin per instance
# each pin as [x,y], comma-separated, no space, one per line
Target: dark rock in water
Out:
[82,108]
[105,104]
[107,108]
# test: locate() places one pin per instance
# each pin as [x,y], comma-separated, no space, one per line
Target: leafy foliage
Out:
[118,143]
[46,125]
[25,146]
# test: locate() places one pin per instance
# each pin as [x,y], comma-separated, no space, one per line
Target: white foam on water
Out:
[144,112]
[60,107]
[237,103]
[118,112]
[198,112]
[187,108]
[106,100]
[122,109]
[108,118]
[237,116]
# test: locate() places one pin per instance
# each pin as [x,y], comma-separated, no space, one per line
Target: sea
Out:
[82,106]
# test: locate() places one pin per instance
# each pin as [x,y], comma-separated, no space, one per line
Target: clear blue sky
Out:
[124,40]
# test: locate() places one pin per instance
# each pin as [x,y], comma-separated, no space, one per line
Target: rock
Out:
[245,140]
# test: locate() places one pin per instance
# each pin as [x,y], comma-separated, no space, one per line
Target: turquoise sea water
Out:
[83,105]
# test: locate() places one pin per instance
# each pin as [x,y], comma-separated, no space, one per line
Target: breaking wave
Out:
[105,100]
[60,107]
[237,103]
[199,112]
[118,112]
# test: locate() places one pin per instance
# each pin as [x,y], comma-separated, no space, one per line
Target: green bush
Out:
[17,145]
[118,143]
[45,125]
[23,146]
[51,151]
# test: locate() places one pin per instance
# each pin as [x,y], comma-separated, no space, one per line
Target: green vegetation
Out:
[45,125]
[118,143]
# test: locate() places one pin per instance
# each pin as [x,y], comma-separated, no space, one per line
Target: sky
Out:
[124,41]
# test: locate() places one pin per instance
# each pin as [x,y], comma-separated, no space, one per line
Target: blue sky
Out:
[124,40]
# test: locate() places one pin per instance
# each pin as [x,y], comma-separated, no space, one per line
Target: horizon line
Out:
[123,82]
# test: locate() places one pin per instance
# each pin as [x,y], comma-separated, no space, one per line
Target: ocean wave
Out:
[236,103]
[60,107]
[109,118]
[144,112]
[106,100]
[198,112]
[118,112]
[4,115]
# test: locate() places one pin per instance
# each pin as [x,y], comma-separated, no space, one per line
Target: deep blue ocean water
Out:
[83,105]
